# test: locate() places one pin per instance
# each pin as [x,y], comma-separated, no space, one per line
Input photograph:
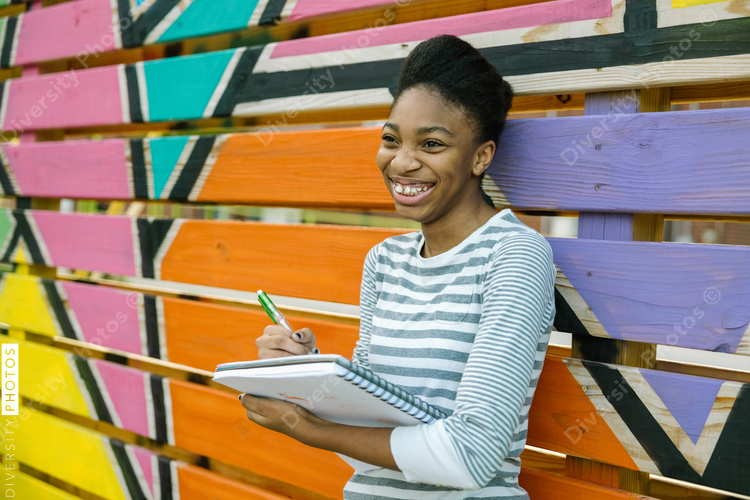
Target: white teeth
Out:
[409,190]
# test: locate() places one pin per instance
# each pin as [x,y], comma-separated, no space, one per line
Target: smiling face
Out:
[430,159]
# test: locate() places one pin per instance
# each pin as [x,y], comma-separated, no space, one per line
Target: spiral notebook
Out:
[331,387]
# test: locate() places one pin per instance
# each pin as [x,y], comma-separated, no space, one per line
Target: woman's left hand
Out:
[275,414]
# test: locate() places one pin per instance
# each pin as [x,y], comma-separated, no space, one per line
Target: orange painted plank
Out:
[199,484]
[204,335]
[559,405]
[542,485]
[313,262]
[213,423]
[323,168]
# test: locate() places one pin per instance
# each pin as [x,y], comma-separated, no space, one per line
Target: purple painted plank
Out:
[664,293]
[689,399]
[692,162]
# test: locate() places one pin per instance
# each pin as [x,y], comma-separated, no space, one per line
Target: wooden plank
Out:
[216,253]
[272,79]
[110,469]
[644,419]
[709,305]
[226,434]
[649,298]
[543,485]
[83,29]
[29,487]
[692,161]
[685,427]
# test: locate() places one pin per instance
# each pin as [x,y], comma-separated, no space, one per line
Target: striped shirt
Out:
[466,331]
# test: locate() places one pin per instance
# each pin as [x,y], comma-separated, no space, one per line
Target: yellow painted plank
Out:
[64,450]
[23,303]
[46,376]
[677,4]
[31,487]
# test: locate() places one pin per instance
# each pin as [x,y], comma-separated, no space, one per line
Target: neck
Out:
[444,234]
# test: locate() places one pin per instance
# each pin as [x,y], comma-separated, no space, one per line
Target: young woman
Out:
[459,313]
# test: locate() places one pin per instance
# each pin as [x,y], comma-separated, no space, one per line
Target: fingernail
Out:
[298,335]
[316,351]
[241,397]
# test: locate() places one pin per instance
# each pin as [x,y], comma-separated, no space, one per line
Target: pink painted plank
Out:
[525,16]
[76,169]
[88,241]
[144,460]
[128,394]
[67,99]
[310,8]
[104,313]
[65,30]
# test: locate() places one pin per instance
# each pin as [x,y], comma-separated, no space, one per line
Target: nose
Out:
[405,160]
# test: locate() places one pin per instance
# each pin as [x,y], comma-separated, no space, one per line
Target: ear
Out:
[483,157]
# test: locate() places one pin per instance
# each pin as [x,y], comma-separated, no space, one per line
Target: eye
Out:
[432,143]
[387,138]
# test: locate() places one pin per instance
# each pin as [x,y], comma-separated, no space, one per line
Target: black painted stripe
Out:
[5,173]
[134,96]
[84,370]
[152,326]
[23,230]
[59,308]
[128,472]
[10,32]
[640,15]
[240,79]
[192,169]
[160,411]
[272,12]
[138,160]
[728,467]
[660,448]
[566,319]
[151,234]
[165,478]
[722,38]
[146,22]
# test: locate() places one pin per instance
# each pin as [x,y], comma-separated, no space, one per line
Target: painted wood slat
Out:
[87,28]
[680,426]
[256,83]
[109,468]
[215,253]
[177,330]
[671,162]
[604,288]
[640,291]
[543,485]
[320,168]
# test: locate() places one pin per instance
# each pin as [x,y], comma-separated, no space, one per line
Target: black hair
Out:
[461,75]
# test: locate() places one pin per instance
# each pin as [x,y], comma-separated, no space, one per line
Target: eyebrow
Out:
[421,130]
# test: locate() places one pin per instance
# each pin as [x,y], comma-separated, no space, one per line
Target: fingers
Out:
[277,342]
[307,337]
[275,346]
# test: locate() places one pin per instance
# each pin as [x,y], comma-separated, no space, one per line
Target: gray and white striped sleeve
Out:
[368,297]
[467,449]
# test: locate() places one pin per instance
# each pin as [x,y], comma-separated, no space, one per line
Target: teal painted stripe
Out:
[179,88]
[164,155]
[204,17]
[7,224]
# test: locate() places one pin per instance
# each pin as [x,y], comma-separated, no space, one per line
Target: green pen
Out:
[275,314]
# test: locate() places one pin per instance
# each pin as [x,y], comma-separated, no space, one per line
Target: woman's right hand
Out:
[278,342]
